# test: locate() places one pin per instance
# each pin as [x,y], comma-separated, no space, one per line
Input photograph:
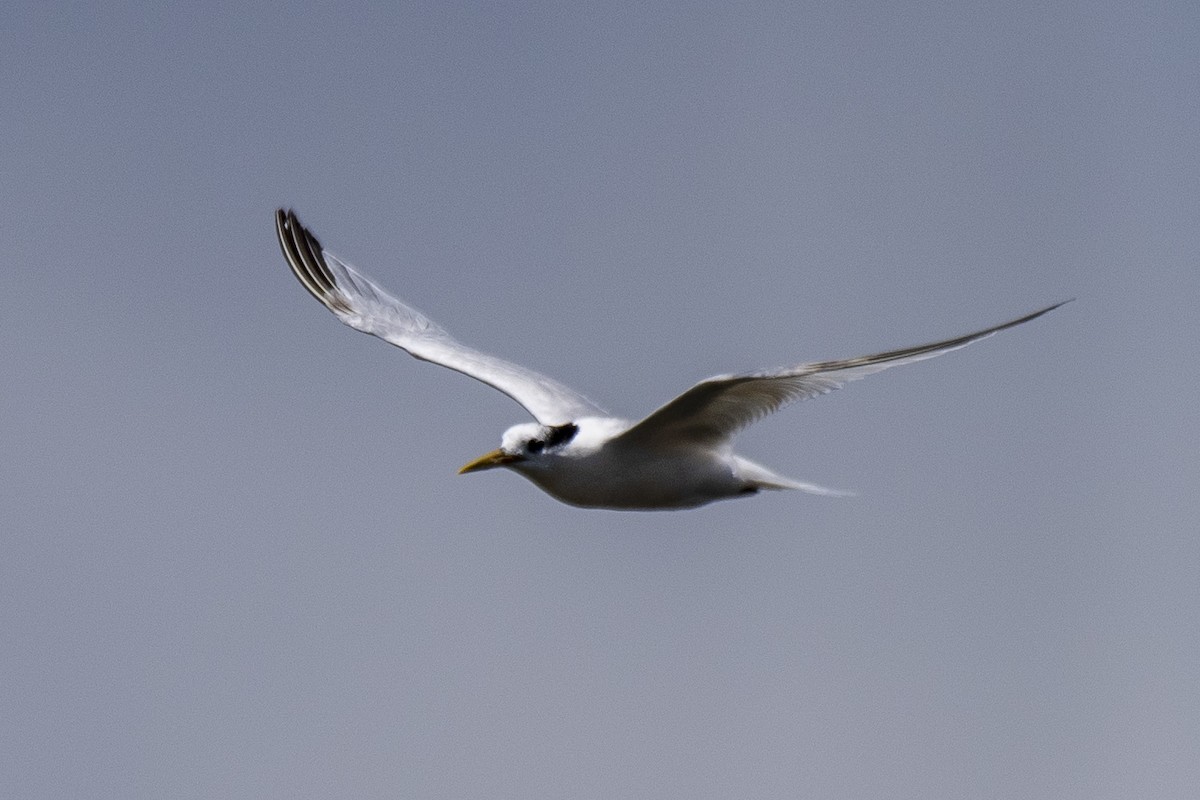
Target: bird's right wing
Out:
[710,412]
[360,303]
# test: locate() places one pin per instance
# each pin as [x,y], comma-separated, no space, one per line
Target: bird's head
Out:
[526,445]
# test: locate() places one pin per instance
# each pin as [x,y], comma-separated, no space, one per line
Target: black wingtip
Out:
[303,253]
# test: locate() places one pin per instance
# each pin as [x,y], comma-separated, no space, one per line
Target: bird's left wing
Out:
[364,306]
[714,409]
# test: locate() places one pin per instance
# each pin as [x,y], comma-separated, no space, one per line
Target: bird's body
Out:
[602,475]
[680,456]
[598,468]
[595,470]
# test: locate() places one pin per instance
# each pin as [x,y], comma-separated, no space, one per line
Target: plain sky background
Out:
[235,560]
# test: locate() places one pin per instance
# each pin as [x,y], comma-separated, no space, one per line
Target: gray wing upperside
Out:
[713,410]
[360,303]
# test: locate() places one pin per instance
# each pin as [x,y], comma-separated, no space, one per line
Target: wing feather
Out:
[358,302]
[710,412]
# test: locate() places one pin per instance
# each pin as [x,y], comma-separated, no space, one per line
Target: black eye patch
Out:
[535,446]
[561,434]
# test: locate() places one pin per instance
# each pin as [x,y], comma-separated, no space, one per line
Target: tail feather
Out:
[760,477]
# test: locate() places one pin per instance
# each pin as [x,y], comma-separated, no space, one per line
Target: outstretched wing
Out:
[713,410]
[364,306]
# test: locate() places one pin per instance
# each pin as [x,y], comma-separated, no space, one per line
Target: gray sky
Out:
[236,561]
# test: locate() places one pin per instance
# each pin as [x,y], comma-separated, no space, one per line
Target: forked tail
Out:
[760,477]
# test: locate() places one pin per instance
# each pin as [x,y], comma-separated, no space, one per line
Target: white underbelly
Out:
[646,484]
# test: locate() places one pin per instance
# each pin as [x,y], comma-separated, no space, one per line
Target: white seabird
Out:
[680,456]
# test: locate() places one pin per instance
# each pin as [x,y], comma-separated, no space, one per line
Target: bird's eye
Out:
[535,445]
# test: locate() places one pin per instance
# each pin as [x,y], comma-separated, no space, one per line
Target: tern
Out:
[680,456]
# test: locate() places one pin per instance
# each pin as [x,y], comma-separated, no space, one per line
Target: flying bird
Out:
[680,456]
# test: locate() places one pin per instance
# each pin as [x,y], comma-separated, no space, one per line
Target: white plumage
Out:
[680,456]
